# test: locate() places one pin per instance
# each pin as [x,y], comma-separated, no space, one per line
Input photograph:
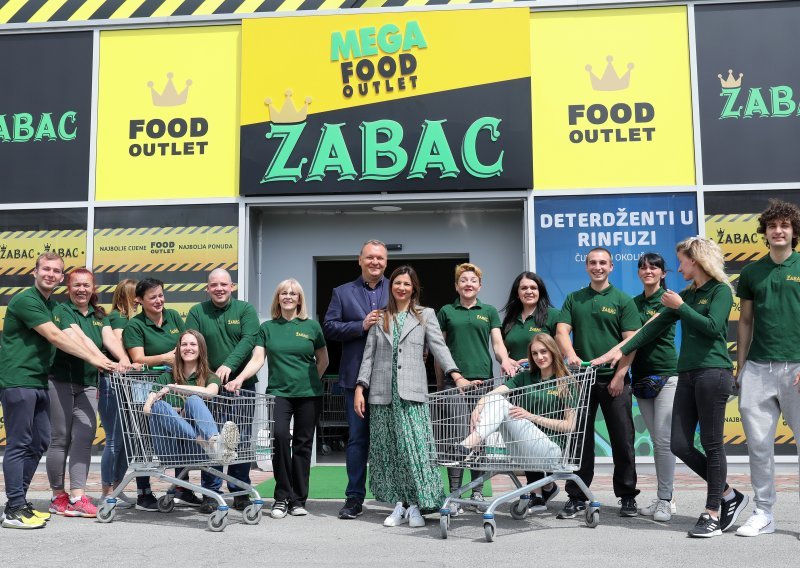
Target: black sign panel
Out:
[45,117]
[749,87]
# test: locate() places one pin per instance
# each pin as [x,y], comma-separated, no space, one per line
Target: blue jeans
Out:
[114,462]
[242,416]
[357,452]
[174,438]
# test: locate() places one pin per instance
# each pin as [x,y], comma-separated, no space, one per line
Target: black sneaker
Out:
[279,509]
[628,507]
[706,527]
[572,508]
[208,505]
[186,497]
[730,510]
[538,503]
[352,509]
[457,454]
[146,502]
[241,502]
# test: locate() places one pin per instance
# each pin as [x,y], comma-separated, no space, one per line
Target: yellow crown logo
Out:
[730,82]
[289,113]
[610,81]
[169,97]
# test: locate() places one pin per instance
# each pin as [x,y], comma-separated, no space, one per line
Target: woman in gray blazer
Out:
[393,369]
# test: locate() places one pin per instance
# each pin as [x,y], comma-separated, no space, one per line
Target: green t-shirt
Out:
[468,331]
[142,332]
[598,320]
[176,401]
[704,327]
[230,333]
[117,320]
[290,349]
[550,402]
[26,356]
[68,368]
[519,336]
[774,290]
[659,357]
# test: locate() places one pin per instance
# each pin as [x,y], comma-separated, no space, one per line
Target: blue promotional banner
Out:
[567,228]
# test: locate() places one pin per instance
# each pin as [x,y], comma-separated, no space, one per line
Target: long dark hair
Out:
[413,306]
[656,260]
[513,307]
[94,301]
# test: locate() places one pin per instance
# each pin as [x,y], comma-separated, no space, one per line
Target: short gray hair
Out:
[374,242]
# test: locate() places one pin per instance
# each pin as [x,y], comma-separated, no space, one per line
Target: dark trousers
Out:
[617,412]
[242,415]
[26,416]
[357,453]
[291,456]
[700,398]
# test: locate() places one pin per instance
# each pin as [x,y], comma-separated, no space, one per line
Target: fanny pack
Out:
[650,386]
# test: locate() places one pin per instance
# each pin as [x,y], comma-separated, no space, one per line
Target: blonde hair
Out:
[290,283]
[125,298]
[468,267]
[706,253]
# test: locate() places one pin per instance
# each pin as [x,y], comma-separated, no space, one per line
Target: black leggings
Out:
[701,397]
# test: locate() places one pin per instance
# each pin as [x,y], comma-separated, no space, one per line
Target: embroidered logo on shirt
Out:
[702,302]
[608,310]
[535,329]
[482,318]
[301,334]
[97,323]
[234,322]
[651,312]
[791,278]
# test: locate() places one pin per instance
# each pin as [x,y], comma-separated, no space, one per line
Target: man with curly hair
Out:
[769,353]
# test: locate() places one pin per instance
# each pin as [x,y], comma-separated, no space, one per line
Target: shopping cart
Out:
[473,430]
[332,420]
[189,432]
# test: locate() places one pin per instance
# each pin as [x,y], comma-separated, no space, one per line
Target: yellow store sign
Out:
[168,113]
[611,98]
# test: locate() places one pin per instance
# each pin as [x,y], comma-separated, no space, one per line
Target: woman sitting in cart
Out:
[536,420]
[181,425]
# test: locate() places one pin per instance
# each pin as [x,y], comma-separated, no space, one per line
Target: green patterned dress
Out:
[400,442]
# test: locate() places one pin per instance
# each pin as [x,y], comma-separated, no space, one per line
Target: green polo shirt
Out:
[519,336]
[468,331]
[142,332]
[774,290]
[598,320]
[290,349]
[230,334]
[176,401]
[117,320]
[550,401]
[26,356]
[658,357]
[68,368]
[704,327]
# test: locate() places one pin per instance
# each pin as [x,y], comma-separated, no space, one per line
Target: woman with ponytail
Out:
[705,378]
[73,394]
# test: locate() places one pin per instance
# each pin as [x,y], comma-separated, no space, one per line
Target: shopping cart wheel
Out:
[519,510]
[326,450]
[106,513]
[592,517]
[166,503]
[252,515]
[444,524]
[488,528]
[217,521]
[339,445]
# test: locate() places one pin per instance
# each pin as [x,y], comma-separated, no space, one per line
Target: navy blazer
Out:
[344,321]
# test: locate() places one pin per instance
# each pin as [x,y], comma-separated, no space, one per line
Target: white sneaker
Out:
[650,510]
[213,447]
[663,511]
[397,518]
[415,518]
[760,522]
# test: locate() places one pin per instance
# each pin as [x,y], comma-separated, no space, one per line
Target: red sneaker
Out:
[59,504]
[81,508]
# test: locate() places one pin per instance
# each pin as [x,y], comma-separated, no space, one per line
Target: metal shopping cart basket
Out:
[332,420]
[186,431]
[479,429]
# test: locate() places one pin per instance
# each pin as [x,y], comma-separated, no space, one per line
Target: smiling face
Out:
[289,300]
[48,274]
[402,288]
[541,357]
[80,287]
[687,267]
[468,286]
[372,261]
[779,233]
[599,266]
[220,288]
[650,275]
[189,348]
[153,301]
[528,292]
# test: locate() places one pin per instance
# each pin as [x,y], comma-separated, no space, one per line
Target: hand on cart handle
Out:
[612,358]
[463,385]
[574,361]
[510,367]
[224,373]
[233,386]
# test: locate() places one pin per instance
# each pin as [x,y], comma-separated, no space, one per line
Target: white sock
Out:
[730,496]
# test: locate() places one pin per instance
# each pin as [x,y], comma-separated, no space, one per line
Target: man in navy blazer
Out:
[355,307]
